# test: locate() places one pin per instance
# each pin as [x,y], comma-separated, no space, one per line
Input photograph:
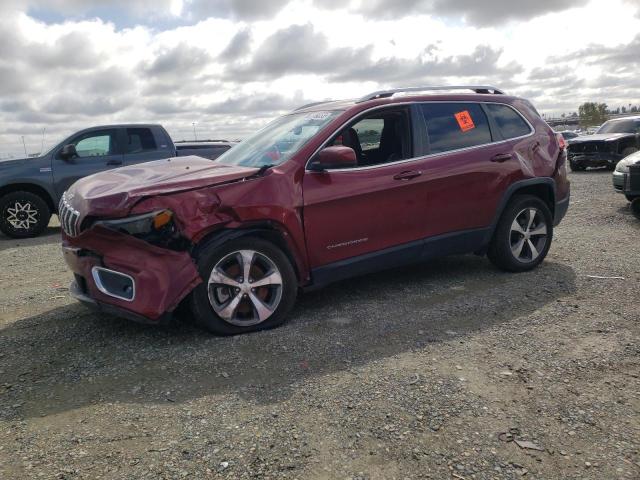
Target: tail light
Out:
[562,143]
[561,163]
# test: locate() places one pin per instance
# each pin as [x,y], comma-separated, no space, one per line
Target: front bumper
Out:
[618,181]
[161,278]
[596,159]
[78,292]
[631,181]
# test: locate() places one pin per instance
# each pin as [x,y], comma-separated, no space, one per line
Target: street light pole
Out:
[195,136]
[25,146]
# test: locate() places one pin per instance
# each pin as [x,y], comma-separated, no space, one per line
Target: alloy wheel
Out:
[245,288]
[22,215]
[528,236]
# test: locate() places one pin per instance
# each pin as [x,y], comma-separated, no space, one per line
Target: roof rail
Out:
[483,89]
[309,105]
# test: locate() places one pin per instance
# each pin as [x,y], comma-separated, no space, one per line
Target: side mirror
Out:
[332,158]
[68,152]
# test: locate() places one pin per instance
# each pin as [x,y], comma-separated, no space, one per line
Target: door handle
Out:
[501,157]
[407,175]
[113,163]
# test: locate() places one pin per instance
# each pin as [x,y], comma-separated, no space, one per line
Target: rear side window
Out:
[509,122]
[140,140]
[452,126]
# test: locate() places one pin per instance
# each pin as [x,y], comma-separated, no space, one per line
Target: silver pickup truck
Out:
[30,188]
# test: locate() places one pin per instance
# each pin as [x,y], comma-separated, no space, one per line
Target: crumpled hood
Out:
[601,137]
[112,193]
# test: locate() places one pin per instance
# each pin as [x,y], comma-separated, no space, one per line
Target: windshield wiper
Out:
[263,169]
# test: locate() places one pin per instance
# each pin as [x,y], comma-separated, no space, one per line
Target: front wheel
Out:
[629,151]
[523,236]
[249,285]
[23,215]
[635,208]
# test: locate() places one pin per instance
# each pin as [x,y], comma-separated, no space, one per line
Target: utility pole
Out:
[25,146]
[42,146]
[195,135]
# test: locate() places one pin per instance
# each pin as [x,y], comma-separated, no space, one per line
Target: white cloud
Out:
[231,65]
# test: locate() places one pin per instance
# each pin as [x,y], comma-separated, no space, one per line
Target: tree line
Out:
[594,113]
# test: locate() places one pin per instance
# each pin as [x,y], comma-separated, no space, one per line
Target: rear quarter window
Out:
[509,122]
[140,140]
[453,126]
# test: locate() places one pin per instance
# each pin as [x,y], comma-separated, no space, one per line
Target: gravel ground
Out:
[436,371]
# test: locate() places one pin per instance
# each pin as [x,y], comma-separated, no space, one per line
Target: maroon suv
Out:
[327,192]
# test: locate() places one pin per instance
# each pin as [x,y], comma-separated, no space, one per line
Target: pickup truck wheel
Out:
[635,208]
[23,215]
[523,235]
[576,167]
[249,285]
[629,151]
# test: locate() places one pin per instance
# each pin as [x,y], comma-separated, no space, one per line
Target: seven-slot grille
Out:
[69,217]
[632,180]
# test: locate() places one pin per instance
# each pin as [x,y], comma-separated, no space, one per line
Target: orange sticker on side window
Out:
[465,121]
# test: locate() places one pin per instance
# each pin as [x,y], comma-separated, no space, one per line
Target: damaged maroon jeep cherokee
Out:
[327,192]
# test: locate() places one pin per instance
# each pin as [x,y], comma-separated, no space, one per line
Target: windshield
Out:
[278,141]
[620,126]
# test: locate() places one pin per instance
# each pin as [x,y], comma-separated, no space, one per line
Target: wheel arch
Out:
[626,143]
[31,188]
[543,188]
[265,231]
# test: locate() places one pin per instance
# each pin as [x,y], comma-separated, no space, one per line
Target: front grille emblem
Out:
[69,217]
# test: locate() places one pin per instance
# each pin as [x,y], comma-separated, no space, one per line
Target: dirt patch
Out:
[411,373]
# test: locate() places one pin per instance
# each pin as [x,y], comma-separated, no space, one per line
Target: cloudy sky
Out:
[232,65]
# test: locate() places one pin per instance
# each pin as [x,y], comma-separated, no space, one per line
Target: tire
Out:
[628,151]
[631,198]
[23,215]
[211,304]
[576,167]
[635,208]
[503,250]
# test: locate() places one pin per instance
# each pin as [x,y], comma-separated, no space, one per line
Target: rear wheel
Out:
[249,285]
[23,214]
[629,151]
[523,236]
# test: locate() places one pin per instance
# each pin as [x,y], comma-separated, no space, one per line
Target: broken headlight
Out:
[147,226]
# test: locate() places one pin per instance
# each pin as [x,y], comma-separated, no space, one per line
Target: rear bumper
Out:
[597,159]
[159,279]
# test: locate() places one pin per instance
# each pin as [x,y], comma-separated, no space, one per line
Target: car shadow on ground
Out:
[50,235]
[71,357]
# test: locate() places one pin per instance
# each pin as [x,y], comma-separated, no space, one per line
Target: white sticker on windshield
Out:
[318,115]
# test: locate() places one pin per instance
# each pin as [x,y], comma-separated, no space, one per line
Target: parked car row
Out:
[324,193]
[31,188]
[614,141]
